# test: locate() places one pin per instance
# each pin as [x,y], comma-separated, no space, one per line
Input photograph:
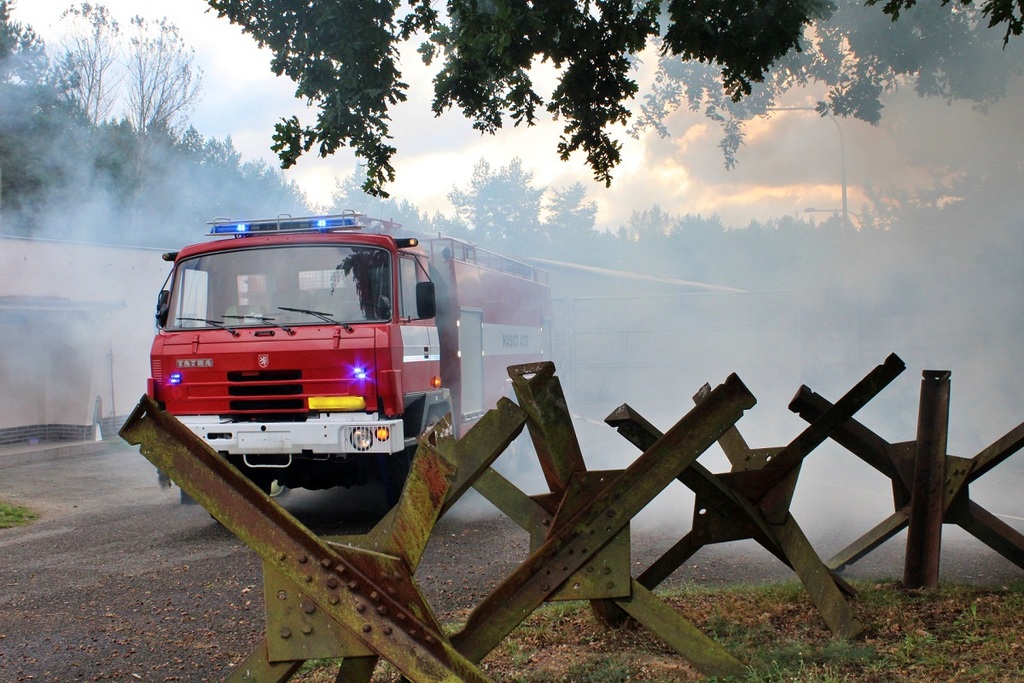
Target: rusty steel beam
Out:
[406,529]
[473,454]
[371,596]
[604,576]
[719,508]
[996,453]
[869,540]
[539,392]
[558,449]
[862,442]
[896,461]
[792,455]
[927,499]
[594,513]
[752,501]
[724,511]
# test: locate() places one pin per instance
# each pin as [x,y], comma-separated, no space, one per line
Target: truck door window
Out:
[193,294]
[369,270]
[408,275]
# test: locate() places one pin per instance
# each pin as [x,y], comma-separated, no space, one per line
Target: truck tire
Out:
[394,470]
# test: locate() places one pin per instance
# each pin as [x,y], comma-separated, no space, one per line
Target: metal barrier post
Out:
[584,552]
[752,501]
[924,525]
[896,461]
[323,598]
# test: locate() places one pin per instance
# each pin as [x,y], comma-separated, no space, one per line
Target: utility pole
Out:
[842,170]
[842,158]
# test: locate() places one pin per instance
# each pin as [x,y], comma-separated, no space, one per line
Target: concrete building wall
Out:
[76,323]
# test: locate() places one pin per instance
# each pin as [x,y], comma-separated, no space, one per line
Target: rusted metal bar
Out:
[717,509]
[594,515]
[832,419]
[993,455]
[371,596]
[558,449]
[897,462]
[927,499]
[680,635]
[989,529]
[522,509]
[873,538]
[405,531]
[477,450]
[474,453]
[859,440]
[724,511]
[539,392]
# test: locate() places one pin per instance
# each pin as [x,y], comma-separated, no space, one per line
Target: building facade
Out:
[76,323]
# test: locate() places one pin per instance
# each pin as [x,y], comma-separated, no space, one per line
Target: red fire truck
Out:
[311,352]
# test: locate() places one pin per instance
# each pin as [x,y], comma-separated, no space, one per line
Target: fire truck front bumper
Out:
[331,434]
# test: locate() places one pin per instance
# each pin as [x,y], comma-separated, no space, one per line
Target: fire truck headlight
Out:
[383,433]
[361,438]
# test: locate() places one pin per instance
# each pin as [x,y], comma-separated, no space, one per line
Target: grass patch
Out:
[961,633]
[15,515]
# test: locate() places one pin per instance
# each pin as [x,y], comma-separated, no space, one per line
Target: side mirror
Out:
[163,307]
[426,303]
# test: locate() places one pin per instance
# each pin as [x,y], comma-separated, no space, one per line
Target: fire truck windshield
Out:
[282,285]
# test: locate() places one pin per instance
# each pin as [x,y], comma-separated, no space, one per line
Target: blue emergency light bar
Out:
[346,221]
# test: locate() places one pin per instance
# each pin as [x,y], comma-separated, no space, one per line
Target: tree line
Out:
[95,138]
[96,143]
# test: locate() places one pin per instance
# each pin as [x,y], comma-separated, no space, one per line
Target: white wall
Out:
[76,323]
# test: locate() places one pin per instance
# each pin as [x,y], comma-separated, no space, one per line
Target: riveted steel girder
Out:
[897,462]
[593,514]
[752,501]
[370,596]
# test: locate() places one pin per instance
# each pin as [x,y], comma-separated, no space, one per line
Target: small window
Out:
[192,298]
[408,277]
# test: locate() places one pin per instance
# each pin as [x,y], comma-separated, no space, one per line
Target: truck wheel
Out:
[394,470]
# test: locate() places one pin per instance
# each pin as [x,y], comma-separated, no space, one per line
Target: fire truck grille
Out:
[268,404]
[265,391]
[265,376]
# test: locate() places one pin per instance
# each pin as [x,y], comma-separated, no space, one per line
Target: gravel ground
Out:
[119,582]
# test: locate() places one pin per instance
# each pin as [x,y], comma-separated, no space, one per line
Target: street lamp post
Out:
[842,170]
[842,162]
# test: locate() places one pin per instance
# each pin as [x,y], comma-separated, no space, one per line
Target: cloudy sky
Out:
[788,164]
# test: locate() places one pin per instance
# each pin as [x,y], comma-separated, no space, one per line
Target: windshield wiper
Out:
[262,319]
[326,317]
[215,323]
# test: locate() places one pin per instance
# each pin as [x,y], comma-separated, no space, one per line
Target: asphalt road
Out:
[118,581]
